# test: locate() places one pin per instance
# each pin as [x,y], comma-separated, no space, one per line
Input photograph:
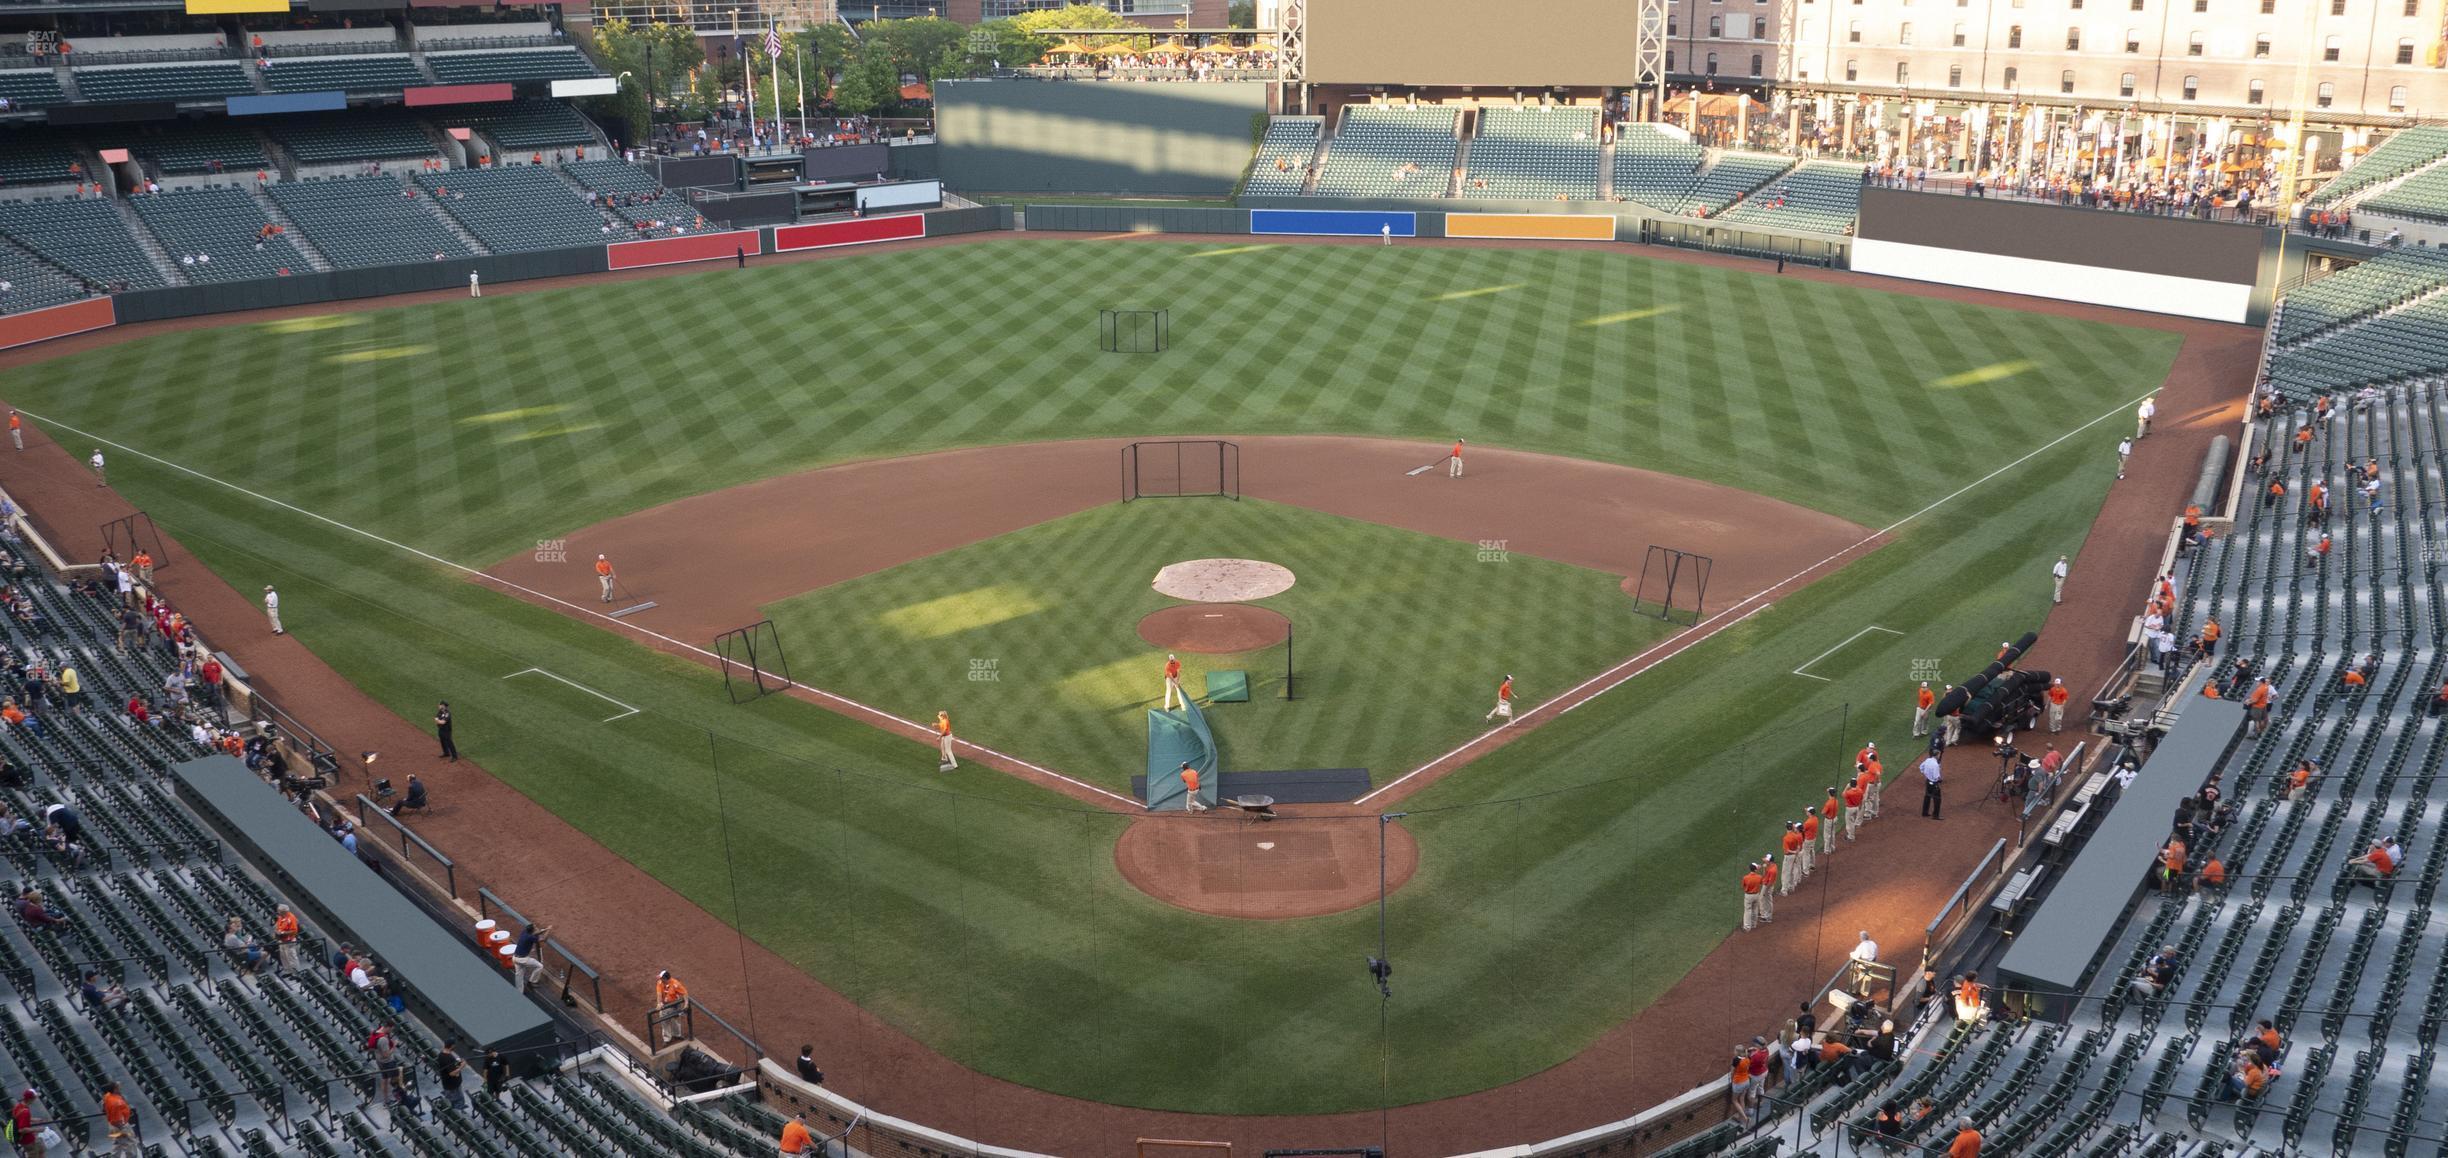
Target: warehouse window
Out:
[2133,41]
[1755,64]
[2327,94]
[2261,46]
[2329,48]
[1852,70]
[2254,92]
[2125,85]
[1959,36]
[1904,34]
[2073,40]
[1954,76]
[2065,81]
[2193,45]
[2397,98]
[2014,36]
[1712,64]
[2192,88]
[2405,50]
[1853,33]
[2010,78]
[1716,27]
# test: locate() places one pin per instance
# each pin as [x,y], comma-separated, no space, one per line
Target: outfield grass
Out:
[983,915]
[1400,637]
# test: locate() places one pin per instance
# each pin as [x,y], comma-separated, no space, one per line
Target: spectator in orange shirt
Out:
[2372,867]
[1968,998]
[2301,777]
[796,1138]
[2172,863]
[1921,708]
[2057,697]
[2213,874]
[1967,1141]
[121,1120]
[285,937]
[2256,708]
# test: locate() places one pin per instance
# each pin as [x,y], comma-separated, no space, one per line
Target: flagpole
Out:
[748,72]
[799,72]
[773,57]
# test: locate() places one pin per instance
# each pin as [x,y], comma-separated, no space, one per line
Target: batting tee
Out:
[1176,737]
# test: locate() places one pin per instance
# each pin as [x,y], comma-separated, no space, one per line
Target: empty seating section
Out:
[2350,971]
[533,124]
[1823,196]
[30,88]
[1284,157]
[36,156]
[2403,343]
[520,34]
[493,65]
[524,207]
[1540,153]
[86,238]
[368,136]
[1734,175]
[223,223]
[2423,196]
[342,74]
[191,147]
[610,176]
[34,284]
[1654,167]
[366,221]
[1391,151]
[174,82]
[2369,287]
[2410,149]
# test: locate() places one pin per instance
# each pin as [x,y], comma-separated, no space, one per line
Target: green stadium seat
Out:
[1391,151]
[1281,167]
[1534,153]
[489,66]
[162,82]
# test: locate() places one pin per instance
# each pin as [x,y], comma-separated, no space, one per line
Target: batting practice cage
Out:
[1133,331]
[752,663]
[1182,468]
[1673,584]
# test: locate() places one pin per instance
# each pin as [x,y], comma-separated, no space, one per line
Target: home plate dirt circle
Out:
[1226,865]
[1214,628]
[1223,580]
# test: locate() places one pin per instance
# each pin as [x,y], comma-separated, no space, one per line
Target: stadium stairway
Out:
[153,249]
[298,240]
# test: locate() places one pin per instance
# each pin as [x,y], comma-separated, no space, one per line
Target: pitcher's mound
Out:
[1223,580]
[1214,628]
[1226,866]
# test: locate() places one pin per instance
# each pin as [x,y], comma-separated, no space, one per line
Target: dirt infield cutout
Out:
[1214,628]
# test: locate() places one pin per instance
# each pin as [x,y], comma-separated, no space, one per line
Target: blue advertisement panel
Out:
[290,102]
[1333,222]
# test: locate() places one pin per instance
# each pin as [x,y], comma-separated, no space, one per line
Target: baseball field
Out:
[373,464]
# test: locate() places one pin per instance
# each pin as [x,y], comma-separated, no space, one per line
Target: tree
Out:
[868,84]
[915,47]
[1070,17]
[828,50]
[640,54]
[1241,14]
[992,44]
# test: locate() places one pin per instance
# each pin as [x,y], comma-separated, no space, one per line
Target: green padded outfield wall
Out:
[1087,136]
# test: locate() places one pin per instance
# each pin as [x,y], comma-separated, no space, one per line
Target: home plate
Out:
[1266,844]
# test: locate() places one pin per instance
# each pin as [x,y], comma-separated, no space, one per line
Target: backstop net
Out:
[1181,468]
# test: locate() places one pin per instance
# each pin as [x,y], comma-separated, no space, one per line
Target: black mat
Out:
[1308,786]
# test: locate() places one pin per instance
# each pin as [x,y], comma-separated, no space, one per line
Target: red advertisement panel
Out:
[56,322]
[858,231]
[674,250]
[455,94]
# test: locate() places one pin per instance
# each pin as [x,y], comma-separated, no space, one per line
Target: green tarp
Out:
[1174,738]
[1227,687]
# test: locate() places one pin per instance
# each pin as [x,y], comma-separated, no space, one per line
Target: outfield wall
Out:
[2166,265]
[1031,136]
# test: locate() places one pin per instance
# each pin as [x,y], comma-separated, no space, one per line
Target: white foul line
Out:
[1839,647]
[580,687]
[579,609]
[1711,625]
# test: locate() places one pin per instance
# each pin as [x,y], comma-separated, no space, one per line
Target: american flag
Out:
[773,41]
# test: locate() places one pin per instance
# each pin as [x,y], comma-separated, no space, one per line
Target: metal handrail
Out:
[487,901]
[450,868]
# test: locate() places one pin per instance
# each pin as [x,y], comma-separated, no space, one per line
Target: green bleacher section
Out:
[515,64]
[371,135]
[524,207]
[223,223]
[31,88]
[214,1057]
[2352,974]
[188,147]
[367,221]
[342,74]
[1821,196]
[1390,151]
[2410,149]
[532,124]
[1734,175]
[1655,168]
[1540,153]
[1284,157]
[2410,341]
[85,237]
[630,194]
[2366,288]
[35,156]
[166,82]
[2423,197]
[34,284]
